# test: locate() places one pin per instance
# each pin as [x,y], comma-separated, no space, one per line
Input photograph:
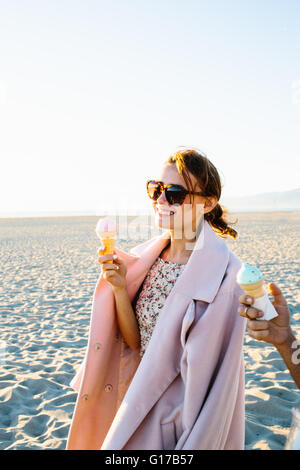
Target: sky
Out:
[95,95]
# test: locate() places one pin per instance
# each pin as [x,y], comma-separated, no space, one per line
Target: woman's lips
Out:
[164,212]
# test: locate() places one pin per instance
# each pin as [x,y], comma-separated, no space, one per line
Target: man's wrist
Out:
[287,343]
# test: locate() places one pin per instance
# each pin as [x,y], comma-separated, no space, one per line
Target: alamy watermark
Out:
[296,354]
[185,225]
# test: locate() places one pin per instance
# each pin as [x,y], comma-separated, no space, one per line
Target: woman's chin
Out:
[164,222]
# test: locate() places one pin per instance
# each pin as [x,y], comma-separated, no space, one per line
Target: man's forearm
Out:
[290,352]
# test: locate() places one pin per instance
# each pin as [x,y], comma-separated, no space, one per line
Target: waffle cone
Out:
[256,290]
[107,234]
[108,240]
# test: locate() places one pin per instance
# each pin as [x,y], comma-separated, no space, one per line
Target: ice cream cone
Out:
[251,280]
[108,240]
[255,290]
[107,231]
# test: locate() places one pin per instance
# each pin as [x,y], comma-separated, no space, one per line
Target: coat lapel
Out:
[206,266]
[200,280]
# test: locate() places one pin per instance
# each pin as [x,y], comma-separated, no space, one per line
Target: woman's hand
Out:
[275,331]
[114,272]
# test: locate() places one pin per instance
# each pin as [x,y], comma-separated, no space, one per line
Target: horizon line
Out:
[55,214]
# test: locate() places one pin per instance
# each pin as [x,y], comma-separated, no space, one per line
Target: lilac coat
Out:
[187,392]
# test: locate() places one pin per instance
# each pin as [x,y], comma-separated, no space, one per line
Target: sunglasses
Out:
[175,194]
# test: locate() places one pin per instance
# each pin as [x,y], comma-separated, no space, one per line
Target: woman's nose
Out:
[162,198]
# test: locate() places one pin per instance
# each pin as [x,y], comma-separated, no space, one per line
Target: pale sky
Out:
[95,95]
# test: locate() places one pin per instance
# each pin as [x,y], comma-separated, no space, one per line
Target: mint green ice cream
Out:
[249,274]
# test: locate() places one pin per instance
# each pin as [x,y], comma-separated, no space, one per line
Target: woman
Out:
[175,306]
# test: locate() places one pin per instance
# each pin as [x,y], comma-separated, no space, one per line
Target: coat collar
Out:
[205,269]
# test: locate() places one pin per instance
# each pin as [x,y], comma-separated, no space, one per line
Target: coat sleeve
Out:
[212,369]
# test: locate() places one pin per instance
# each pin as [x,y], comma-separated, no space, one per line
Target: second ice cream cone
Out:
[251,280]
[256,289]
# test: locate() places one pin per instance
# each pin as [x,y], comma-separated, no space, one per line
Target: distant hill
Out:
[285,200]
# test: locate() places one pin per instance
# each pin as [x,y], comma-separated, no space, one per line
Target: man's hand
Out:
[275,331]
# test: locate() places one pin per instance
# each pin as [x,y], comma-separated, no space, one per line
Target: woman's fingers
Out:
[102,249]
[113,257]
[111,266]
[118,261]
[108,272]
[103,258]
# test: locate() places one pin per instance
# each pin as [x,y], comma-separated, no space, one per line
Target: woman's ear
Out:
[210,204]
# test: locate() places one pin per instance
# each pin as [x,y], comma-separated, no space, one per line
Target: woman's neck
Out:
[176,251]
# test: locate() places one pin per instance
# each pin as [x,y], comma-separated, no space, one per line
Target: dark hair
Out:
[191,160]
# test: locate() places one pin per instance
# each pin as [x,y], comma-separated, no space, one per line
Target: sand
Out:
[48,274]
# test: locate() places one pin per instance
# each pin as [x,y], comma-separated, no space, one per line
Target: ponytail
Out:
[217,220]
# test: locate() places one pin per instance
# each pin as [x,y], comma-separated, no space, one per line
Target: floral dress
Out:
[155,289]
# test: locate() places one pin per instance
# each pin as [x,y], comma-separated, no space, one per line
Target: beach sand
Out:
[49,270]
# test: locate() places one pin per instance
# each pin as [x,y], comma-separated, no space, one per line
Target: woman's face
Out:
[182,219]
